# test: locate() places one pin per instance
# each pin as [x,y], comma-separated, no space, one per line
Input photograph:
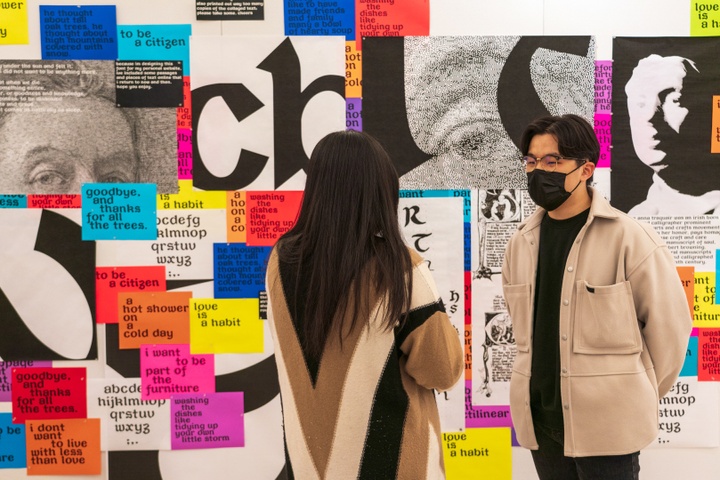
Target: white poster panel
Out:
[433,225]
[495,216]
[126,422]
[184,245]
[692,239]
[47,291]
[260,104]
[689,415]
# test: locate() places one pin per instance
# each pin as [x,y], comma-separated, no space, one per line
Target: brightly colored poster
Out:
[155,42]
[708,345]
[236,217]
[167,370]
[270,214]
[380,18]
[212,420]
[63,447]
[13,23]
[110,281]
[78,32]
[153,317]
[48,393]
[6,369]
[706,312]
[239,270]
[12,443]
[485,450]
[704,18]
[226,326]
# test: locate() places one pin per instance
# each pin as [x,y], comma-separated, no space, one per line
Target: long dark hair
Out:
[347,239]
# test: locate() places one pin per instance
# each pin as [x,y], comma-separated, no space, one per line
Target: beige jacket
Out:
[624,328]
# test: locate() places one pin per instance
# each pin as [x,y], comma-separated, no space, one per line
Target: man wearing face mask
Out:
[600,318]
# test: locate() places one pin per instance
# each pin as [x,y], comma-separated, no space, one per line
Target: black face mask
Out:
[547,189]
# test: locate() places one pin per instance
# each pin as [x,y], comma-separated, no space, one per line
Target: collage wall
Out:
[153,152]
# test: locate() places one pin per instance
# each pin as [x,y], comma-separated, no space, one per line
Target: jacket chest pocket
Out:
[605,320]
[519,306]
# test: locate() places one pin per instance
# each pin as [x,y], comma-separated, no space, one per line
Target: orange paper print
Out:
[153,318]
[63,447]
[687,278]
[236,217]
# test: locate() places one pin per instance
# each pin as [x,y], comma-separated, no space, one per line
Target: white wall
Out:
[465,17]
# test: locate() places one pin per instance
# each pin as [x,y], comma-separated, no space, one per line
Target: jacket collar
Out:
[599,207]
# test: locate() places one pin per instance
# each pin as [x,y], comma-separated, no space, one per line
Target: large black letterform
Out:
[289,103]
[242,103]
[518,101]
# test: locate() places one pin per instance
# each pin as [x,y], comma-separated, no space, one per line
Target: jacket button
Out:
[564,370]
[570,268]
[566,406]
[566,302]
[564,337]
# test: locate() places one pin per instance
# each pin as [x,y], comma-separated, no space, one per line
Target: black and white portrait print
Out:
[60,127]
[451,110]
[663,90]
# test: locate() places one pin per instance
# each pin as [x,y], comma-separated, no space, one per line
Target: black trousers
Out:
[552,464]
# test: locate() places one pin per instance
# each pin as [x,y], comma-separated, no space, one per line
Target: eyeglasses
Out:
[549,162]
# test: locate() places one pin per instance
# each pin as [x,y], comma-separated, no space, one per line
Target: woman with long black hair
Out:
[361,335]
